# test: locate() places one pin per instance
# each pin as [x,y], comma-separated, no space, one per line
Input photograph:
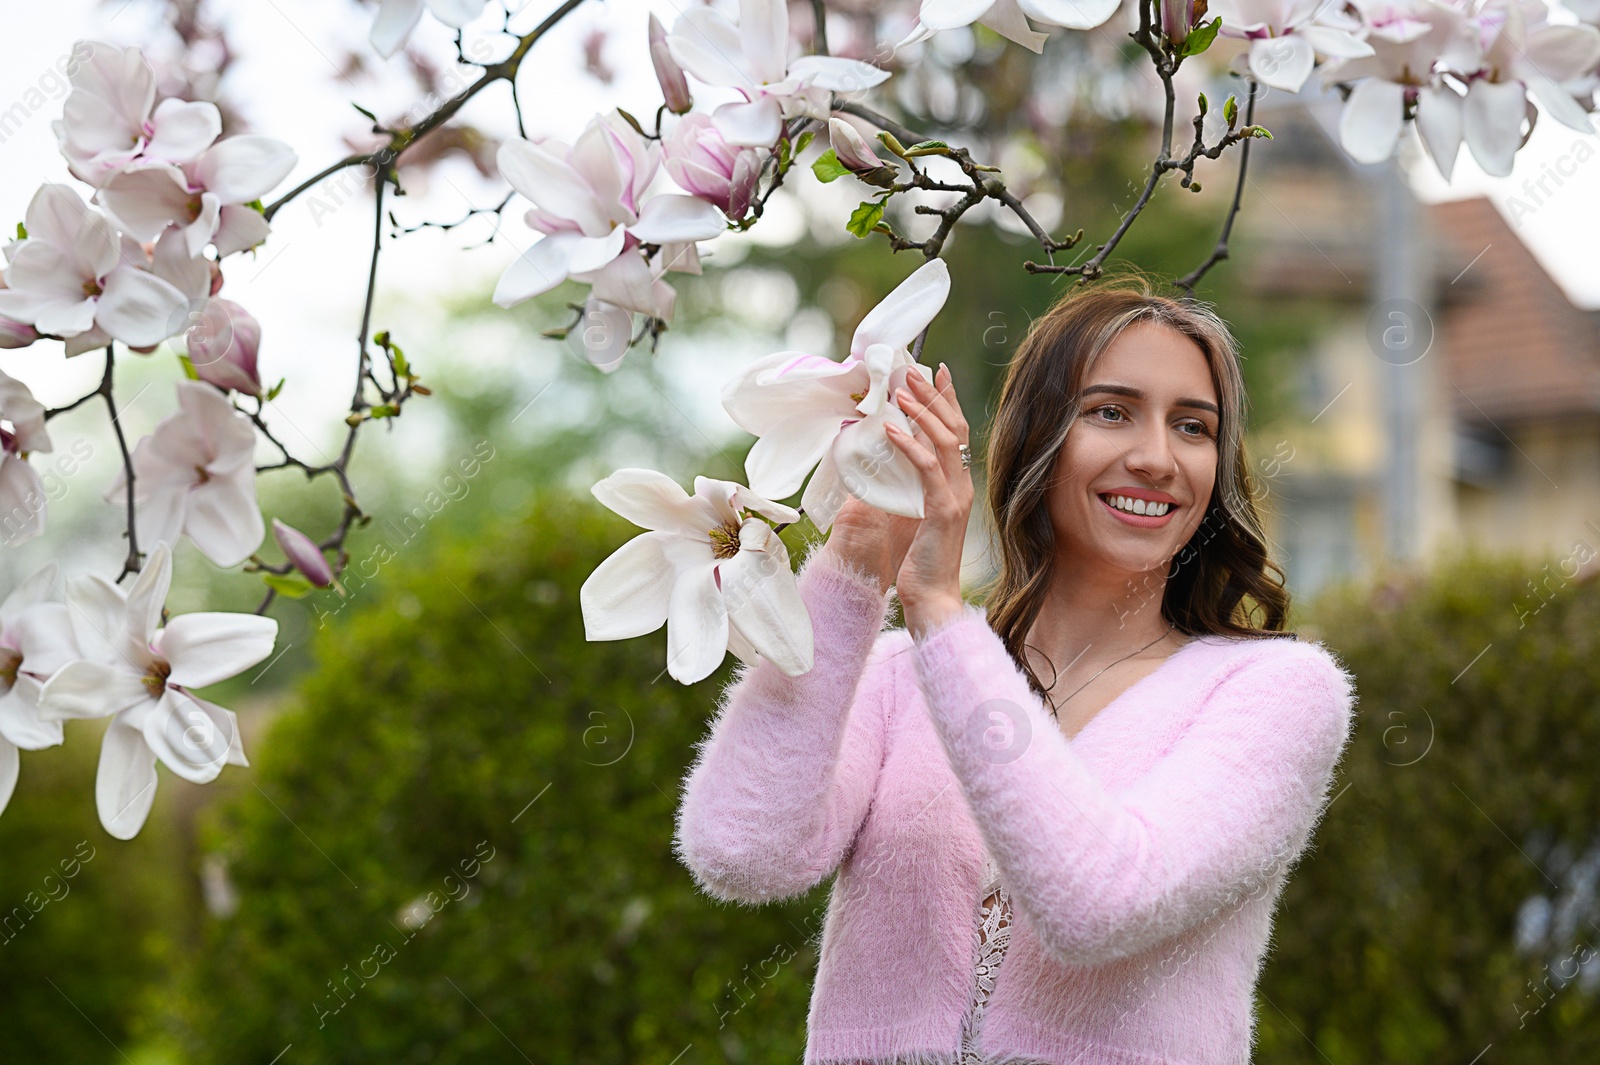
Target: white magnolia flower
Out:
[195,475]
[714,573]
[205,198]
[1286,36]
[143,676]
[1009,18]
[398,18]
[35,640]
[73,276]
[589,201]
[1521,61]
[22,429]
[753,57]
[810,411]
[108,121]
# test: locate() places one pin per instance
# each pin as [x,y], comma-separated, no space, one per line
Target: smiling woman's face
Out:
[1146,431]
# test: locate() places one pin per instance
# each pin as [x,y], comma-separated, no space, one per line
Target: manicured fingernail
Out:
[945,368]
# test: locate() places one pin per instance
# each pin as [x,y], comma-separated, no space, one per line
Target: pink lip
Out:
[1141,521]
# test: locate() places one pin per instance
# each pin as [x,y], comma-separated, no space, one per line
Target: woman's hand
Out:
[929,576]
[871,540]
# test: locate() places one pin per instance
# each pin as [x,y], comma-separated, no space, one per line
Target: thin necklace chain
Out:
[1054,706]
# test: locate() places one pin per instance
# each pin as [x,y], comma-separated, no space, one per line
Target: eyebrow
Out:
[1138,393]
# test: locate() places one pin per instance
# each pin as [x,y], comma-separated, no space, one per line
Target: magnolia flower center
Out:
[155,678]
[8,440]
[725,540]
[859,396]
[200,472]
[91,288]
[10,663]
[194,206]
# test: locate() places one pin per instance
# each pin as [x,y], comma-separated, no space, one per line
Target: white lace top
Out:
[990,939]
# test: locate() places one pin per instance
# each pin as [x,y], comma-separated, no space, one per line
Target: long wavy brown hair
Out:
[1222,582]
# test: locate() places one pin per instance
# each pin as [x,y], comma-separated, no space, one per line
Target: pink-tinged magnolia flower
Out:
[704,164]
[710,569]
[108,121]
[195,476]
[398,18]
[72,276]
[144,677]
[674,86]
[303,553]
[22,429]
[205,198]
[222,341]
[15,334]
[1413,42]
[810,411]
[35,641]
[1286,36]
[752,57]
[1521,61]
[1009,18]
[587,199]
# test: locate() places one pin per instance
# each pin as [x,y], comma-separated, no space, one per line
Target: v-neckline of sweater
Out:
[1100,714]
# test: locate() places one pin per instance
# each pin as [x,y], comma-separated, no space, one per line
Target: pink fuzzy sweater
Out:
[1144,857]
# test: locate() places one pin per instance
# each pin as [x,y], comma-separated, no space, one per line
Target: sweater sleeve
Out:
[1227,809]
[782,782]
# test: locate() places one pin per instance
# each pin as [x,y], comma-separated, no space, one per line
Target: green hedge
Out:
[1471,792]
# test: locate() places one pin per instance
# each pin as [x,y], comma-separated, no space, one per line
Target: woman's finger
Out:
[926,461]
[940,398]
[946,442]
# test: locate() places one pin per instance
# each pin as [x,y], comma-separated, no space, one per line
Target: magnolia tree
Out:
[127,253]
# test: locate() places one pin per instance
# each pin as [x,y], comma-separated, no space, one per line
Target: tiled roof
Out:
[1515,348]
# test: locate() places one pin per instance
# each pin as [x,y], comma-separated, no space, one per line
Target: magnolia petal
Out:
[390,30]
[91,689]
[652,500]
[682,256]
[874,470]
[43,633]
[147,200]
[740,645]
[553,184]
[125,784]
[138,308]
[836,73]
[10,768]
[628,593]
[1336,44]
[223,519]
[172,263]
[97,610]
[603,336]
[1561,104]
[1492,124]
[697,618]
[147,596]
[539,269]
[674,217]
[1439,117]
[208,647]
[1073,14]
[707,45]
[744,498]
[906,311]
[1373,118]
[183,130]
[1282,62]
[20,722]
[239,228]
[1006,19]
[764,38]
[191,736]
[756,124]
[1558,53]
[825,494]
[245,167]
[227,441]
[625,281]
[951,14]
[22,500]
[34,590]
[88,340]
[778,462]
[456,13]
[55,215]
[763,601]
[774,387]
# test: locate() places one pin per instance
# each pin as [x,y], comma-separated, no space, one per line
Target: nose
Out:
[1151,455]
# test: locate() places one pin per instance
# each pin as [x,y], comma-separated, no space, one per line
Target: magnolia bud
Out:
[674,86]
[852,150]
[223,343]
[303,554]
[1178,18]
[15,334]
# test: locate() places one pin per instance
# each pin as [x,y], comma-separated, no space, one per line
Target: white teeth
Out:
[1138,506]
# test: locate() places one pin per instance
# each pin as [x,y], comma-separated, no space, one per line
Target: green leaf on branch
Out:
[1200,38]
[22,231]
[293,587]
[1203,103]
[384,410]
[364,111]
[634,122]
[803,140]
[928,148]
[865,218]
[188,368]
[272,393]
[828,168]
[891,142]
[1230,109]
[1261,131]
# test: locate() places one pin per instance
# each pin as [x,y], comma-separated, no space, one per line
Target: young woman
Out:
[1101,778]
